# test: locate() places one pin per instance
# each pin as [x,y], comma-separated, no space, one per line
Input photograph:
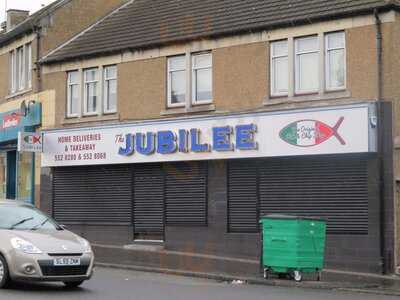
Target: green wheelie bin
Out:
[292,245]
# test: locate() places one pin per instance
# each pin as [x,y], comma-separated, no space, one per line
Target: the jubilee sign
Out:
[331,130]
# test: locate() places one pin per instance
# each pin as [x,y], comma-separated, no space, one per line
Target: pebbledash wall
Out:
[200,184]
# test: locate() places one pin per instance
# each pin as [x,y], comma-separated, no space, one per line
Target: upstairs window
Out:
[335,55]
[20,69]
[90,90]
[201,78]
[13,70]
[110,89]
[279,68]
[189,80]
[73,94]
[307,64]
[28,59]
[176,81]
[20,76]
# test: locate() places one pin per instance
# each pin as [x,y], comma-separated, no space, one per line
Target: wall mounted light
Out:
[25,109]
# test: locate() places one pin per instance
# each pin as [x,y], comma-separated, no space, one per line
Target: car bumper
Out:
[40,267]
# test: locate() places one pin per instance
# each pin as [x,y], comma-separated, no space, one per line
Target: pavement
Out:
[115,284]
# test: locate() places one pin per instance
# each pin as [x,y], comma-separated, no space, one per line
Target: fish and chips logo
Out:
[33,139]
[309,133]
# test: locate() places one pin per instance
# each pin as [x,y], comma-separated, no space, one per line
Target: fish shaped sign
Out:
[309,133]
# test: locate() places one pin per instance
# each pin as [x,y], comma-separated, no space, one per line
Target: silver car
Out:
[33,247]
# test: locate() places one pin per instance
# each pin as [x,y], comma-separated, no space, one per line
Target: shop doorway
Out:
[148,202]
[25,176]
[11,174]
[3,173]
[17,175]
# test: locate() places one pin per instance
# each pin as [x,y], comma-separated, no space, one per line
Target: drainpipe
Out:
[379,87]
[38,66]
[36,30]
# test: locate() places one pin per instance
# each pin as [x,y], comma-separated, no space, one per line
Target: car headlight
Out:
[25,246]
[86,245]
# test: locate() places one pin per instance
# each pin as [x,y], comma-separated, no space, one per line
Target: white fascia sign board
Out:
[333,130]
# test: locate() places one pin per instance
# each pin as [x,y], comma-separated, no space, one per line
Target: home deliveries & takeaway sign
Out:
[349,129]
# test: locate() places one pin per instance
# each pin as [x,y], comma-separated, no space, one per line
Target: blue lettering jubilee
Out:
[195,142]
[129,146]
[147,146]
[183,141]
[245,137]
[222,138]
[166,142]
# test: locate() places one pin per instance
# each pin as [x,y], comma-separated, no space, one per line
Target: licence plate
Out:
[67,261]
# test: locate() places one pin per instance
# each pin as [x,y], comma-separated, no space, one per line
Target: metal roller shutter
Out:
[334,188]
[92,195]
[148,199]
[331,188]
[186,193]
[242,196]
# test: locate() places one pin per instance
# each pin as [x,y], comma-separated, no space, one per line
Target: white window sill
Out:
[96,118]
[110,112]
[204,102]
[18,94]
[304,98]
[90,114]
[176,106]
[185,110]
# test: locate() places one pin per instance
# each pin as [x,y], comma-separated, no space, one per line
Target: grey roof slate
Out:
[151,23]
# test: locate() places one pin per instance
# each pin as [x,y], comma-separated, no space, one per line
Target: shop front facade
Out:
[17,169]
[201,184]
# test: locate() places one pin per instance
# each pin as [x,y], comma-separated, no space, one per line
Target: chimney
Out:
[15,17]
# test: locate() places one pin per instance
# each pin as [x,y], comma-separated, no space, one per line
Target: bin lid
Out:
[291,217]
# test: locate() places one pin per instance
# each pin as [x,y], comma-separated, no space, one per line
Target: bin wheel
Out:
[319,276]
[297,276]
[266,274]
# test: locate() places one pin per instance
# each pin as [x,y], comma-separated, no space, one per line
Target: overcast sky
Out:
[31,5]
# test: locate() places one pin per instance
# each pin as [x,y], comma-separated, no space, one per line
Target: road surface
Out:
[113,284]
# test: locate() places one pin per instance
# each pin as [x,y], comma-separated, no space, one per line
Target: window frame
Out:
[13,74]
[20,63]
[193,78]
[169,82]
[297,54]
[85,90]
[20,69]
[28,65]
[273,57]
[69,85]
[327,64]
[105,85]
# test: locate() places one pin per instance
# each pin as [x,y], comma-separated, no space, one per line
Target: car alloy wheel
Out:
[1,271]
[4,276]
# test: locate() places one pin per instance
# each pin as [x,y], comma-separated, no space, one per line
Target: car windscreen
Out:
[15,217]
